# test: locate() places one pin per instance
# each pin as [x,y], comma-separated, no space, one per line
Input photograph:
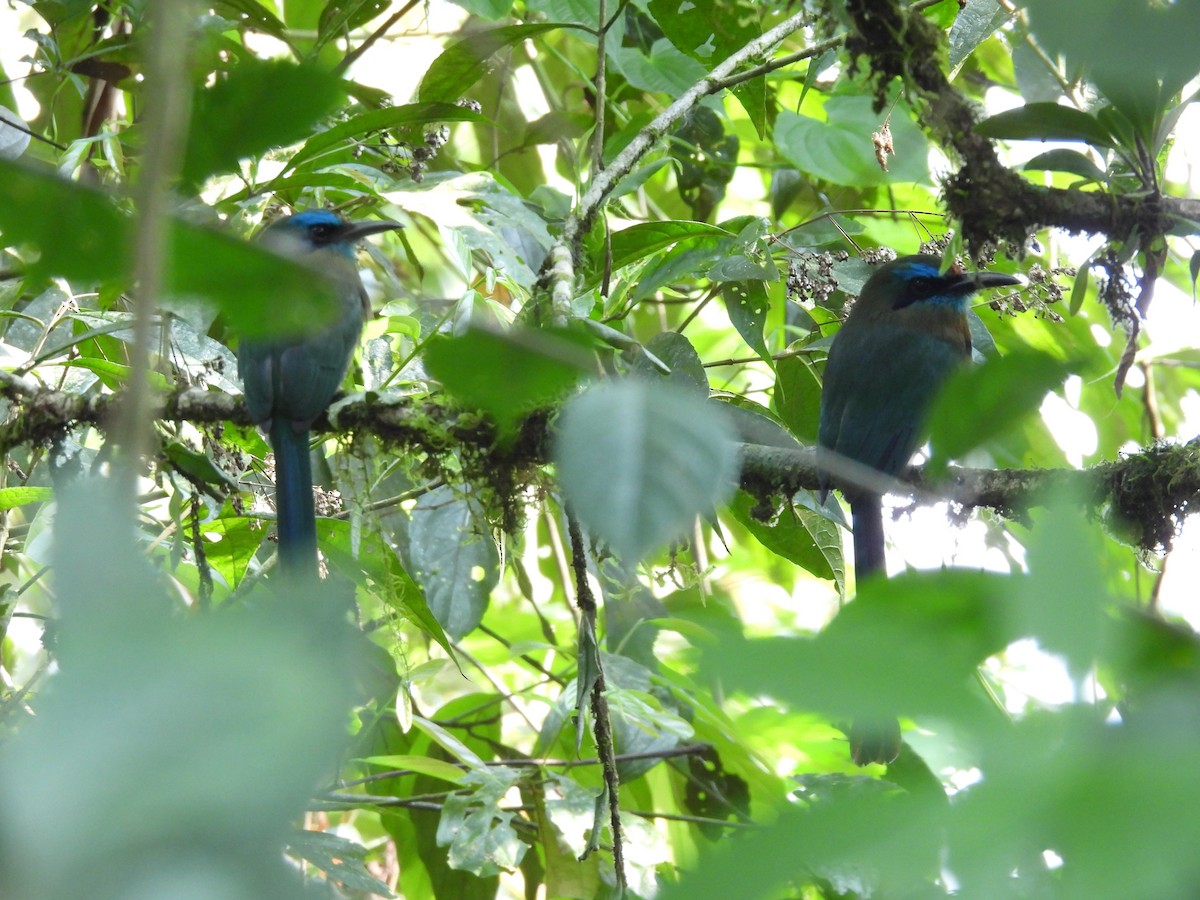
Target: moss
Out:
[1151,494]
[896,43]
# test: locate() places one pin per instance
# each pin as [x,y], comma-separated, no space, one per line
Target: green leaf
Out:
[114,374]
[748,306]
[840,149]
[258,106]
[407,598]
[707,32]
[1036,82]
[463,62]
[380,120]
[630,608]
[409,326]
[205,703]
[424,868]
[11,497]
[568,805]
[981,402]
[197,465]
[907,645]
[77,230]
[1080,287]
[797,397]
[434,768]
[677,352]
[508,374]
[983,345]
[754,424]
[587,667]
[248,283]
[976,22]
[814,70]
[743,267]
[710,32]
[638,462]
[637,178]
[448,742]
[230,544]
[798,535]
[478,832]
[642,725]
[647,238]
[453,557]
[1139,55]
[484,223]
[1046,122]
[1065,600]
[1063,160]
[343,860]
[664,70]
[1193,271]
[342,16]
[1084,787]
[758,104]
[252,13]
[857,833]
[486,9]
[89,241]
[14,134]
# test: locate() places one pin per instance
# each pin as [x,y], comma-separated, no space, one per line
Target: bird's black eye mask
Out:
[323,232]
[924,283]
[920,288]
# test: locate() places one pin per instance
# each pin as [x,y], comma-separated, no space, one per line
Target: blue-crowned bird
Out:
[904,336]
[288,381]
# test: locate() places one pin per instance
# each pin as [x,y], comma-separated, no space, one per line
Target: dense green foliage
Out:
[566,502]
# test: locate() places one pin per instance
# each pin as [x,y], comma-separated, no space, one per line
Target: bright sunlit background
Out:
[919,537]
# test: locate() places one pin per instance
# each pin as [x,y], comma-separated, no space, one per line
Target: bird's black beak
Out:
[356,231]
[978,281]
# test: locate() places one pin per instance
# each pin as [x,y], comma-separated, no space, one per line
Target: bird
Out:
[288,381]
[904,336]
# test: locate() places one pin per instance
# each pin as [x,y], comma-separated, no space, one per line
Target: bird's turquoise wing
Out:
[879,383]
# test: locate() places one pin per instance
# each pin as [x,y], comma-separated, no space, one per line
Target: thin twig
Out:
[524,657]
[716,289]
[673,753]
[204,593]
[601,85]
[350,58]
[336,801]
[601,722]
[743,360]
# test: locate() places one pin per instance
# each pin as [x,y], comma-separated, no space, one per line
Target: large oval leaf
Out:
[1046,122]
[453,558]
[639,461]
[839,148]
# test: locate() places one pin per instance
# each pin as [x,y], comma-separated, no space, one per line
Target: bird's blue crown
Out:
[318,228]
[922,282]
[311,217]
[916,269]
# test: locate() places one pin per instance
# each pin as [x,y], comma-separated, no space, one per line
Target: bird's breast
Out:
[937,322]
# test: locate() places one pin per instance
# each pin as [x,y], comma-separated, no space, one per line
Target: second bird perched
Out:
[290,380]
[903,338]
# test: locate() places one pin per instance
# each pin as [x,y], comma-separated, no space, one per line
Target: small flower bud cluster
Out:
[810,277]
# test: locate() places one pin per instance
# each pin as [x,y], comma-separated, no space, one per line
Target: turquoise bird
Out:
[289,381]
[904,336]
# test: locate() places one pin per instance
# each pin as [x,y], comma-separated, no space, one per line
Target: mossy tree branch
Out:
[990,200]
[1145,495]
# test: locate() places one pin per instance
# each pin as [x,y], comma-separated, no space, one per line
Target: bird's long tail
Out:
[875,739]
[297,523]
[867,513]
